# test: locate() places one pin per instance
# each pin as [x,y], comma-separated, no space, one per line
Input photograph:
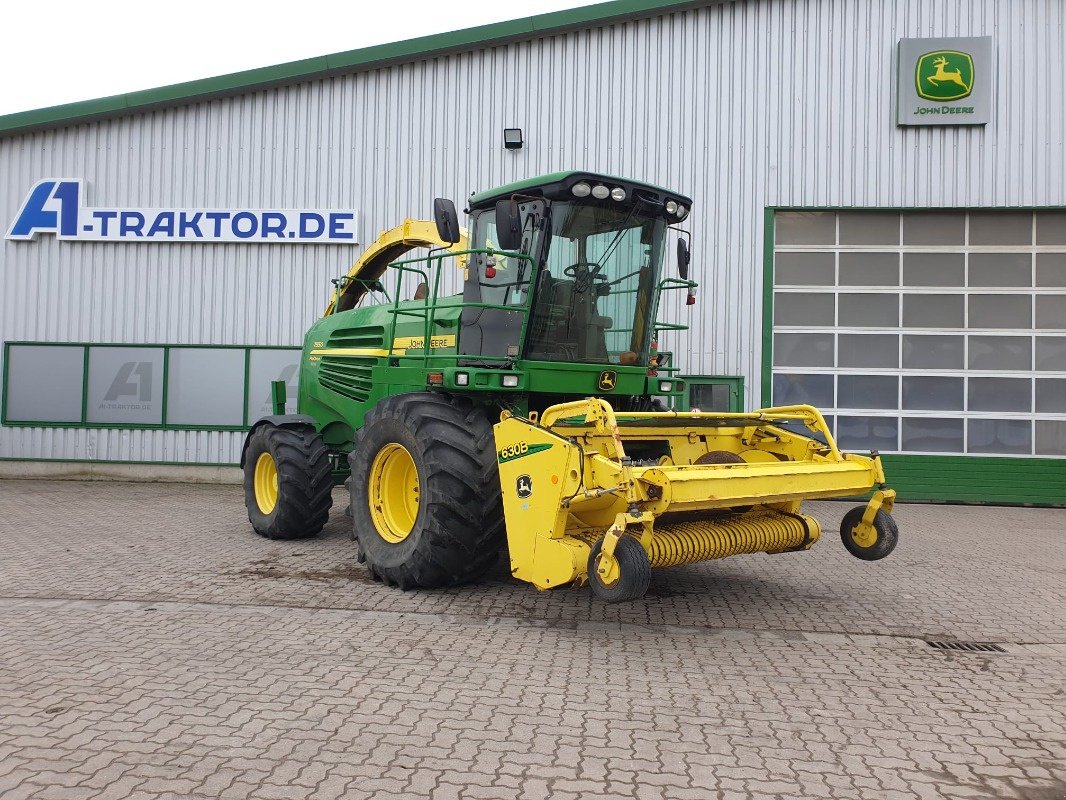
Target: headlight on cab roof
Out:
[581,189]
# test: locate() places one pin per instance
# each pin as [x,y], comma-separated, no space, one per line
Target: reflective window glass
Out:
[803,308]
[796,389]
[125,385]
[933,311]
[932,393]
[709,396]
[803,349]
[1004,436]
[44,383]
[867,433]
[868,350]
[1051,353]
[805,269]
[265,366]
[932,435]
[868,310]
[869,227]
[1000,394]
[1051,395]
[1050,437]
[805,227]
[1001,269]
[1012,353]
[933,227]
[1051,311]
[1000,311]
[869,269]
[868,391]
[1051,269]
[934,269]
[932,352]
[205,386]
[1051,227]
[1001,228]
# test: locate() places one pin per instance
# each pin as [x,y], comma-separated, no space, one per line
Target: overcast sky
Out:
[66,50]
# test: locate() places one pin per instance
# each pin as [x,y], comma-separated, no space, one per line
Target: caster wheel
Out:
[627,578]
[874,546]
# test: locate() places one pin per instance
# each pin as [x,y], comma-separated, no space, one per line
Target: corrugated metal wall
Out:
[745,105]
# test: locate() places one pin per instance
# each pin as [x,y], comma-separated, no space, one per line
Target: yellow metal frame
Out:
[567,481]
[390,246]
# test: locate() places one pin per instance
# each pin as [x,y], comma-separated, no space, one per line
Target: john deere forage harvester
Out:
[528,410]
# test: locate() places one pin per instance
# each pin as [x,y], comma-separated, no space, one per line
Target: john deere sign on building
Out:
[944,81]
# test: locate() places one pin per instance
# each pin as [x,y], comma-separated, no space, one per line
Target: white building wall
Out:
[743,105]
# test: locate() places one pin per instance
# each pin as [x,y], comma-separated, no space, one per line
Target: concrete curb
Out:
[140,473]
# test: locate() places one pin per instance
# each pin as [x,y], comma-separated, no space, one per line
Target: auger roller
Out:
[591,495]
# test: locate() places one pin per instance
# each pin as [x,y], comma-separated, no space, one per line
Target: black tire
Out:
[634,572]
[457,526]
[304,482]
[885,527]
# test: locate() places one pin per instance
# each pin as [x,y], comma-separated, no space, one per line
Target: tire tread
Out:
[462,522]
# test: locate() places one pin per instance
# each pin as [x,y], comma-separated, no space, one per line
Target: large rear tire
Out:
[288,482]
[425,491]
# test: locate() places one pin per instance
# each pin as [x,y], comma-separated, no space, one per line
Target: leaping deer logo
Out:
[942,74]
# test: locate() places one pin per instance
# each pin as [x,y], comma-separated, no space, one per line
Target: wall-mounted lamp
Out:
[512,138]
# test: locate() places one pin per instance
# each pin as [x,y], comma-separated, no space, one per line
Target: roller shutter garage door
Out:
[937,338]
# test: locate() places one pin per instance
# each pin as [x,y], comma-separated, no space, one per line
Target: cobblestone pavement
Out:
[152,646]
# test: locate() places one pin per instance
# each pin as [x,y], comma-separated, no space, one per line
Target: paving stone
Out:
[152,646]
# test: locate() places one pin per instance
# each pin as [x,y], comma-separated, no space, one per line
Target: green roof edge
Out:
[352,60]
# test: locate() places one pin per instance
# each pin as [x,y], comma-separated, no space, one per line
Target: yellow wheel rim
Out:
[393,493]
[607,569]
[864,539]
[266,483]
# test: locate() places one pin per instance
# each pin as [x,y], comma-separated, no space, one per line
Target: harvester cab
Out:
[528,413]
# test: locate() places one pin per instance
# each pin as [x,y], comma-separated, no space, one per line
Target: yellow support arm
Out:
[390,246]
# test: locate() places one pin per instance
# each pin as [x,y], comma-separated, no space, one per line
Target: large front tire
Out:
[425,491]
[288,482]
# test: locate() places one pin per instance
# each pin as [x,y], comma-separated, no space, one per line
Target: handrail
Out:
[428,310]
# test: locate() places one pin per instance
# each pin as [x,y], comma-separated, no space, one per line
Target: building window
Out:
[925,331]
[142,386]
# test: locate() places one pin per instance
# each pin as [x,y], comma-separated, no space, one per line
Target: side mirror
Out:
[447,220]
[508,229]
[683,257]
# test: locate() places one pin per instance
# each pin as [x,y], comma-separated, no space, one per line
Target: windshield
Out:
[596,291]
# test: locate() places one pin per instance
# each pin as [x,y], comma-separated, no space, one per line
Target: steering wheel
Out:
[584,274]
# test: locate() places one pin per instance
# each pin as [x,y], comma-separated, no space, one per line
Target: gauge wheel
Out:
[626,576]
[872,546]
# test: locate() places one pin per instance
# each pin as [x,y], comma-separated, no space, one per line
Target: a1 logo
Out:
[50,207]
